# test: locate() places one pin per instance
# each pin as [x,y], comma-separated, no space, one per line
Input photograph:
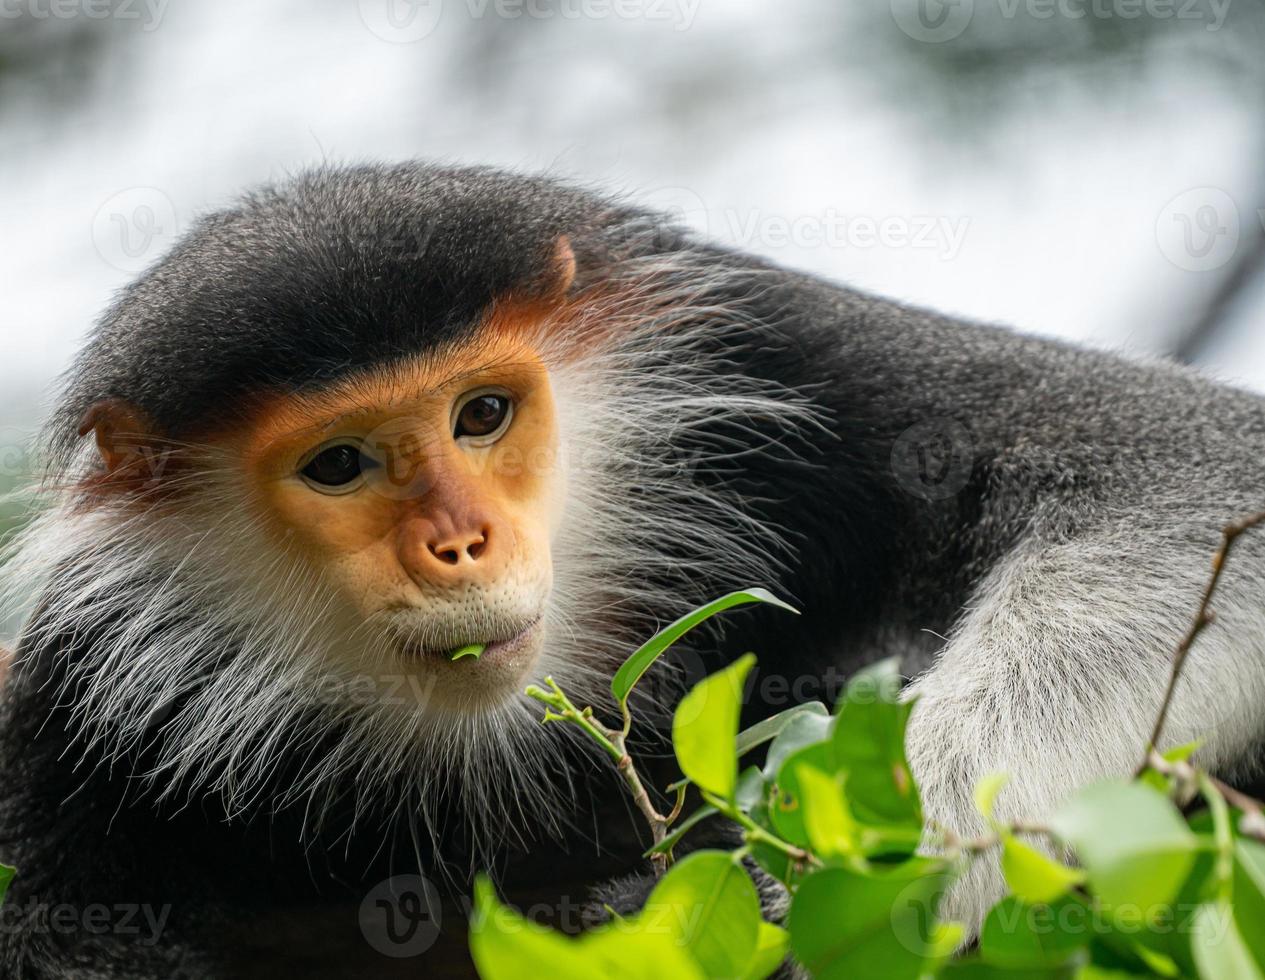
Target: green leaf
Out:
[831,830]
[869,744]
[803,730]
[880,681]
[977,969]
[1249,895]
[772,945]
[786,809]
[986,792]
[709,899]
[1116,956]
[1034,877]
[635,667]
[1219,947]
[846,924]
[771,728]
[673,838]
[946,940]
[1019,934]
[1131,840]
[6,878]
[775,862]
[705,726]
[1165,947]
[751,790]
[634,951]
[506,946]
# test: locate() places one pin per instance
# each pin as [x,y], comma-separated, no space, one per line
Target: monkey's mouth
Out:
[504,645]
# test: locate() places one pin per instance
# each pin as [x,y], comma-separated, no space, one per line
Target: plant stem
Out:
[1203,618]
[1253,823]
[658,822]
[1223,836]
[614,743]
[757,834]
[979,845]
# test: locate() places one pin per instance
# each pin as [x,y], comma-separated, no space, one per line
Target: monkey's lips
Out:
[496,649]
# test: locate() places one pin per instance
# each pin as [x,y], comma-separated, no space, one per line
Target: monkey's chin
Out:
[474,684]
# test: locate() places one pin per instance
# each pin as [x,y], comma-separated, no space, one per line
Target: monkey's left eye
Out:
[336,469]
[482,416]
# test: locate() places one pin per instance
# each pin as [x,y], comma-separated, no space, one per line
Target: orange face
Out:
[426,492]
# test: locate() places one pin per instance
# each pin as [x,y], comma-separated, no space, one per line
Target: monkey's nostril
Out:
[455,552]
[476,546]
[448,555]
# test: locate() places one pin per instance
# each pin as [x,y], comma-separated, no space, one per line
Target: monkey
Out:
[373,416]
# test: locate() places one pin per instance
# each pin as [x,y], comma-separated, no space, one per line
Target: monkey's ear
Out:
[563,265]
[125,436]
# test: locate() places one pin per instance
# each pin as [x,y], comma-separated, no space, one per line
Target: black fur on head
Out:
[302,283]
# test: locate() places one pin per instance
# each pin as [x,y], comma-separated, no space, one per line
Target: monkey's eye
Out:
[336,468]
[481,417]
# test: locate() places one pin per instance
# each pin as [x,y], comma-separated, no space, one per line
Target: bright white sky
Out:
[1050,224]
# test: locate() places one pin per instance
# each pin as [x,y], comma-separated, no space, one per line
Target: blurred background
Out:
[1083,169]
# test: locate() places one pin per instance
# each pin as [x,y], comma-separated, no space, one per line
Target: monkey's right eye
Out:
[336,469]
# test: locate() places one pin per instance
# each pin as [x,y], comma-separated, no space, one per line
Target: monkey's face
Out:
[426,493]
[325,451]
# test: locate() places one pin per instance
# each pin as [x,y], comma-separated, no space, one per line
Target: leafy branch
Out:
[834,814]
[558,708]
[613,742]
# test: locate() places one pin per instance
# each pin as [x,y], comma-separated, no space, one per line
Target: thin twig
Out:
[1188,779]
[614,742]
[681,789]
[956,843]
[1229,535]
[658,822]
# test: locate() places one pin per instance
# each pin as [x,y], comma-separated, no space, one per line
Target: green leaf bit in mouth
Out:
[471,650]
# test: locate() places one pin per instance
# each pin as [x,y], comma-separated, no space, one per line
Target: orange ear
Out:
[125,436]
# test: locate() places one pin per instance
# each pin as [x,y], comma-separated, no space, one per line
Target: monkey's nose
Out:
[442,549]
[459,547]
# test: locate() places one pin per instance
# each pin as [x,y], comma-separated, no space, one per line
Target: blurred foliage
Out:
[1055,45]
[49,59]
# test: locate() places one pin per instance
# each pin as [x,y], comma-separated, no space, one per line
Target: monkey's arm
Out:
[1056,675]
